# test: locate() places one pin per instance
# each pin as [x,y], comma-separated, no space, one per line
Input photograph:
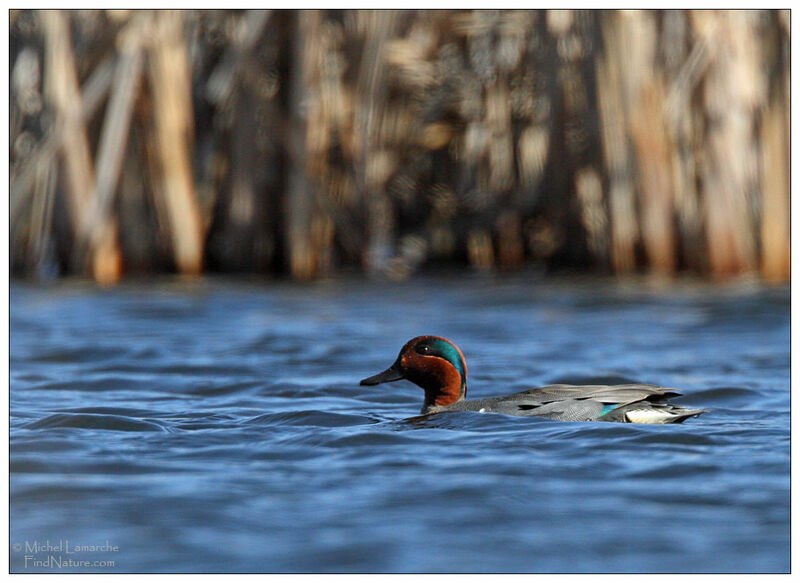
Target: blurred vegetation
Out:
[304,142]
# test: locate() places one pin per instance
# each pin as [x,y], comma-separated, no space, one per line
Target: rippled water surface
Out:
[219,426]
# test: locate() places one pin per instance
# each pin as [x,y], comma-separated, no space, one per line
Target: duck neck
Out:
[444,395]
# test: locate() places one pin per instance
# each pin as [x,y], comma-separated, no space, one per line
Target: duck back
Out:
[633,403]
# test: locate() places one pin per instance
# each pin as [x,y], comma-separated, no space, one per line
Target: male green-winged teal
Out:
[438,366]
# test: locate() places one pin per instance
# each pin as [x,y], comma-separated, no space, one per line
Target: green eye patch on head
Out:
[445,350]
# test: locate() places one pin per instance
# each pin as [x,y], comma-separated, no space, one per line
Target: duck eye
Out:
[423,349]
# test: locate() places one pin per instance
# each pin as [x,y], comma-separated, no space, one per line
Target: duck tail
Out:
[661,415]
[682,414]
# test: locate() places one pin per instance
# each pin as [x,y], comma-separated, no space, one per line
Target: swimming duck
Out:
[439,368]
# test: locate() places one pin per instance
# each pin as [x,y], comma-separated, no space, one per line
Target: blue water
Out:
[217,425]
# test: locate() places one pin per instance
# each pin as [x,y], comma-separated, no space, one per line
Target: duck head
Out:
[433,363]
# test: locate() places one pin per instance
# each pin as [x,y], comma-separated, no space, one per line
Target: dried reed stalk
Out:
[65,97]
[39,247]
[62,90]
[170,84]
[633,139]
[101,228]
[589,189]
[298,198]
[683,69]
[613,87]
[92,93]
[374,164]
[734,89]
[220,83]
[654,155]
[775,190]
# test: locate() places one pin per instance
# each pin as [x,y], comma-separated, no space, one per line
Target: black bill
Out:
[393,373]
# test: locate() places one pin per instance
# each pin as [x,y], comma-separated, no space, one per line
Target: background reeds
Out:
[303,142]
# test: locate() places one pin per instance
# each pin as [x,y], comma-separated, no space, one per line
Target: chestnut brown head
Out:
[433,363]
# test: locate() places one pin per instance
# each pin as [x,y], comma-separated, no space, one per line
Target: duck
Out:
[438,366]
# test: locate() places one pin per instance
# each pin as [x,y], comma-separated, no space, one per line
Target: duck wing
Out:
[633,403]
[607,394]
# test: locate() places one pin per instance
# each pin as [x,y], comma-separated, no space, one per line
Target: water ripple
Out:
[96,421]
[217,425]
[310,418]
